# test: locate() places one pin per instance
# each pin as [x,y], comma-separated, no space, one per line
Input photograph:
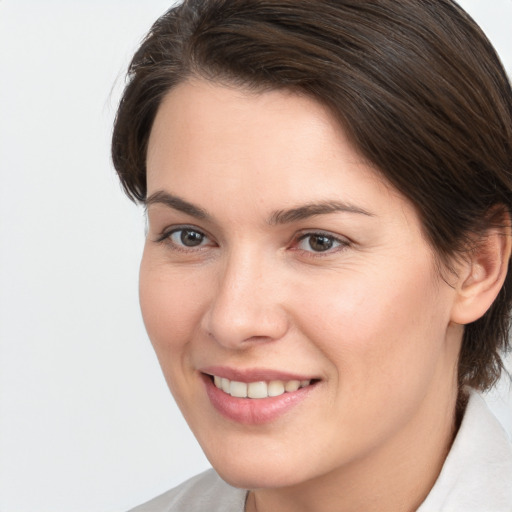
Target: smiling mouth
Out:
[258,389]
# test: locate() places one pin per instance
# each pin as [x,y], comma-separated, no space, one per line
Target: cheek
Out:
[171,305]
[378,326]
[384,340]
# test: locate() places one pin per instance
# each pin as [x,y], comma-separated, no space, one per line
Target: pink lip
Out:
[248,411]
[252,374]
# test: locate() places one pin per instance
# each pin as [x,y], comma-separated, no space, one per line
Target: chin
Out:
[248,473]
[250,478]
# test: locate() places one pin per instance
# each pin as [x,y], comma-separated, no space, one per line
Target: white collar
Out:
[477,474]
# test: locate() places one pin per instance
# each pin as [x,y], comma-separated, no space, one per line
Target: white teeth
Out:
[259,389]
[292,385]
[225,385]
[276,388]
[238,389]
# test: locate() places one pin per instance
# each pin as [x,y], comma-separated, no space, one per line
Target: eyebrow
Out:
[176,203]
[278,217]
[312,209]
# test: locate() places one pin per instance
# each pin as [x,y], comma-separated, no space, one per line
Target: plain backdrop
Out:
[86,421]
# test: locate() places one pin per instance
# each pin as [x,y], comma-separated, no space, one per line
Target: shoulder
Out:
[477,474]
[206,491]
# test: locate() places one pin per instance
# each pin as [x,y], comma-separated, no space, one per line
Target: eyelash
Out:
[166,238]
[339,243]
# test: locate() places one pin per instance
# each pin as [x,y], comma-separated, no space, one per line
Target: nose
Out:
[247,303]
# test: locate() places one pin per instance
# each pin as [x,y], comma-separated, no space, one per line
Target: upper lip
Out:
[252,374]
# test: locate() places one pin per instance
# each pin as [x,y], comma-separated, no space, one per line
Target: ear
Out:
[482,273]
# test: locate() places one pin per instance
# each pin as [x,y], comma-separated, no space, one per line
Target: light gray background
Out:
[86,421]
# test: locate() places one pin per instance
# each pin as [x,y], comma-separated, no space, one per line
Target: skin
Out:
[370,316]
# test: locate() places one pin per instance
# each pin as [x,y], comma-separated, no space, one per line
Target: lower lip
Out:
[253,411]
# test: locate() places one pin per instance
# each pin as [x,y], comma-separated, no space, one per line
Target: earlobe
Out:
[483,273]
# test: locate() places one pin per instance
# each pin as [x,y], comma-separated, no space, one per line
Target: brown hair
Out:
[415,84]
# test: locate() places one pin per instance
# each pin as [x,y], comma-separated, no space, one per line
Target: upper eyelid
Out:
[168,231]
[312,232]
[342,241]
[178,227]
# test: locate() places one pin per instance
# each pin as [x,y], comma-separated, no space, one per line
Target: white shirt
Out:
[476,476]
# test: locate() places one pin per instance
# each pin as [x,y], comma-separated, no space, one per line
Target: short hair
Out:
[415,84]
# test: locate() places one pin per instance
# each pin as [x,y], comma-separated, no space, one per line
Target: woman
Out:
[325,278]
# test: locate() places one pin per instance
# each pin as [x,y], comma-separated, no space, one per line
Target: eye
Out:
[185,238]
[320,242]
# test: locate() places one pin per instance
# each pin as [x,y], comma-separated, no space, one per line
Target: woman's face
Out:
[277,258]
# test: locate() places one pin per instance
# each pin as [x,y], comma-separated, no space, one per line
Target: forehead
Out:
[279,147]
[200,113]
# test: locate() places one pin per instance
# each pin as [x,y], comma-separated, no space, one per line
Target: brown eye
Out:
[320,242]
[187,237]
[191,238]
